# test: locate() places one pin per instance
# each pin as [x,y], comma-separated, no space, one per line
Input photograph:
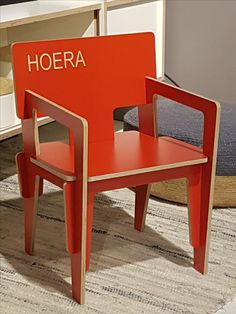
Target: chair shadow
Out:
[154,244]
[112,229]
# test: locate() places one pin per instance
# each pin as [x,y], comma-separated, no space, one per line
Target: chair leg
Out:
[75,208]
[77,278]
[31,186]
[194,207]
[200,209]
[30,213]
[90,205]
[142,193]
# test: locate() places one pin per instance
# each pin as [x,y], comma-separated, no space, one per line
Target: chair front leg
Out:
[200,211]
[31,186]
[142,193]
[75,215]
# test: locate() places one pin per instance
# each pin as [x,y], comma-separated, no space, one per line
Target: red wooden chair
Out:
[79,82]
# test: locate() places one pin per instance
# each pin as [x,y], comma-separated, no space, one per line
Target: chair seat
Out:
[185,124]
[130,153]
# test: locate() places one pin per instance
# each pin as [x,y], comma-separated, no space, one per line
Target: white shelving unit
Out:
[43,19]
[16,128]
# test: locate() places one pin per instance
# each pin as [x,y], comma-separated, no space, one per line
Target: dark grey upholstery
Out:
[185,124]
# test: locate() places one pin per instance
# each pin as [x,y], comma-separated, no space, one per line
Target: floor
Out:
[229,308]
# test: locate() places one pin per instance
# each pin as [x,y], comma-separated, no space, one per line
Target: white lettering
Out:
[55,60]
[45,68]
[80,59]
[68,59]
[31,62]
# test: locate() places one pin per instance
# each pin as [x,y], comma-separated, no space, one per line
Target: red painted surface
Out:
[114,76]
[91,77]
[118,156]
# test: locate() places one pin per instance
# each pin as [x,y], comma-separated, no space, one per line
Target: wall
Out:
[201,46]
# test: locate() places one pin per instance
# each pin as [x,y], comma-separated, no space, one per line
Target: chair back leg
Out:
[31,186]
[142,193]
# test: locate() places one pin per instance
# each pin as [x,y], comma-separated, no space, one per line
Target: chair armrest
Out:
[209,108]
[35,102]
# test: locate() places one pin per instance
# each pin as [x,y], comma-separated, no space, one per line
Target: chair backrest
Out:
[89,76]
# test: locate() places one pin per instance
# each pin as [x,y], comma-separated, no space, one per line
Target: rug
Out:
[131,272]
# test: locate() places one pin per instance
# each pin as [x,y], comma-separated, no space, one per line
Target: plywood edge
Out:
[116,3]
[82,120]
[66,177]
[55,171]
[51,15]
[212,184]
[182,90]
[146,170]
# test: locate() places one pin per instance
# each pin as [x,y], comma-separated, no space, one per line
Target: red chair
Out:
[79,83]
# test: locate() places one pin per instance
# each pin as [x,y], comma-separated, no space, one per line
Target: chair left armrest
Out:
[209,108]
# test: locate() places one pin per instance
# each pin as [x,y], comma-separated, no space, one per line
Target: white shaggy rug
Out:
[131,272]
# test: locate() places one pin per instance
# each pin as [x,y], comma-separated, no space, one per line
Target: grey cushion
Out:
[185,124]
